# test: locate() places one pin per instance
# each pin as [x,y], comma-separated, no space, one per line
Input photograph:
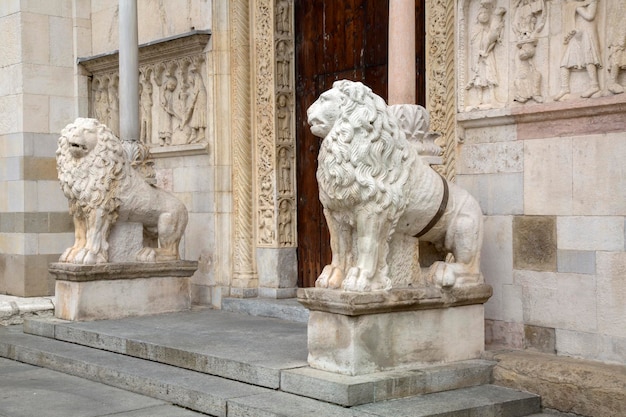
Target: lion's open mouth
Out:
[77,146]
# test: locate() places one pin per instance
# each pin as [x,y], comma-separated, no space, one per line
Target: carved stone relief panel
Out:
[274,124]
[173,98]
[482,60]
[523,52]
[440,72]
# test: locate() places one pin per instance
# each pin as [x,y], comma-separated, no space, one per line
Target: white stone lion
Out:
[372,184]
[102,188]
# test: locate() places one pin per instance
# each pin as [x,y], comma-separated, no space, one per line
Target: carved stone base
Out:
[278,274]
[361,333]
[111,291]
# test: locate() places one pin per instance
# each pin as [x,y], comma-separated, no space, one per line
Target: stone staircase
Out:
[222,363]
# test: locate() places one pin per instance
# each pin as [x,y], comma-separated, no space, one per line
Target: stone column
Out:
[129,71]
[401,61]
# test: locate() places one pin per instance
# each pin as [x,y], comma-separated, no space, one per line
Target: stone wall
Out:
[37,98]
[548,170]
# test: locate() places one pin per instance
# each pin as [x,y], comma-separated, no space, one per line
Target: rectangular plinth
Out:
[357,345]
[107,291]
[361,333]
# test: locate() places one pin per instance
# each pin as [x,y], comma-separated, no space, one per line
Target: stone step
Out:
[248,349]
[265,352]
[217,396]
[285,309]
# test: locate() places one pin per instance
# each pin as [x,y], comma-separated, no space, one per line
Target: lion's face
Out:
[324,112]
[81,142]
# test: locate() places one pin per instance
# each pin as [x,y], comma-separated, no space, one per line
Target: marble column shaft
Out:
[401,61]
[129,70]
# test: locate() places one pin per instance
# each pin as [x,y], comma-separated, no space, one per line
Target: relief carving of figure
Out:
[483,69]
[102,188]
[167,114]
[528,81]
[114,106]
[196,110]
[283,115]
[373,186]
[101,101]
[529,18]
[283,64]
[617,48]
[582,48]
[284,162]
[283,15]
[145,109]
[285,222]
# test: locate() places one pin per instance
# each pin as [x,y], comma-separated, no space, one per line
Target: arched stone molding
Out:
[440,78]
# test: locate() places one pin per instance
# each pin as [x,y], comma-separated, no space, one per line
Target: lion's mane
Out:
[92,181]
[355,155]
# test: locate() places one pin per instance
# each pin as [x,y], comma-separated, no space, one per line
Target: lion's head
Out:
[90,162]
[364,154]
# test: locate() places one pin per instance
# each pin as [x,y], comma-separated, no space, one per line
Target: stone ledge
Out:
[13,310]
[565,384]
[117,271]
[396,300]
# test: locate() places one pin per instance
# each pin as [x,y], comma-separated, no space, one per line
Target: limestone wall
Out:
[37,98]
[549,172]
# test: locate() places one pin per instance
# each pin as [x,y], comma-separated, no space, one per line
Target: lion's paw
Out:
[67,255]
[442,274]
[358,280]
[86,257]
[331,277]
[146,255]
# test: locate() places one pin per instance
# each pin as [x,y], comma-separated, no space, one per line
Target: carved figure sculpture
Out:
[145,108]
[617,49]
[582,48]
[488,33]
[528,81]
[102,188]
[196,113]
[373,184]
[167,114]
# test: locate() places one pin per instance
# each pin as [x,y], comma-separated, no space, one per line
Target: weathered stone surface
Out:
[357,345]
[542,339]
[420,298]
[570,385]
[354,390]
[81,273]
[534,243]
[107,291]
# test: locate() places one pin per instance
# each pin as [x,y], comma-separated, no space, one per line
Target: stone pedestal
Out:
[360,333]
[115,290]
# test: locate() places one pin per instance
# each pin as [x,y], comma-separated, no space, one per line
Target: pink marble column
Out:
[401,61]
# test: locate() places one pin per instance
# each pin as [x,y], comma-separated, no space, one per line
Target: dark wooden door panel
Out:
[334,40]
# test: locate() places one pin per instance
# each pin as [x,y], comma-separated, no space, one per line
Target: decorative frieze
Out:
[534,51]
[440,52]
[274,123]
[172,92]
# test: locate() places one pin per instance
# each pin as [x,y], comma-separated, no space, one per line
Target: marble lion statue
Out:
[102,188]
[372,184]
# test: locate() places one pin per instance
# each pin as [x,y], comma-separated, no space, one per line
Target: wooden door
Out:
[335,40]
